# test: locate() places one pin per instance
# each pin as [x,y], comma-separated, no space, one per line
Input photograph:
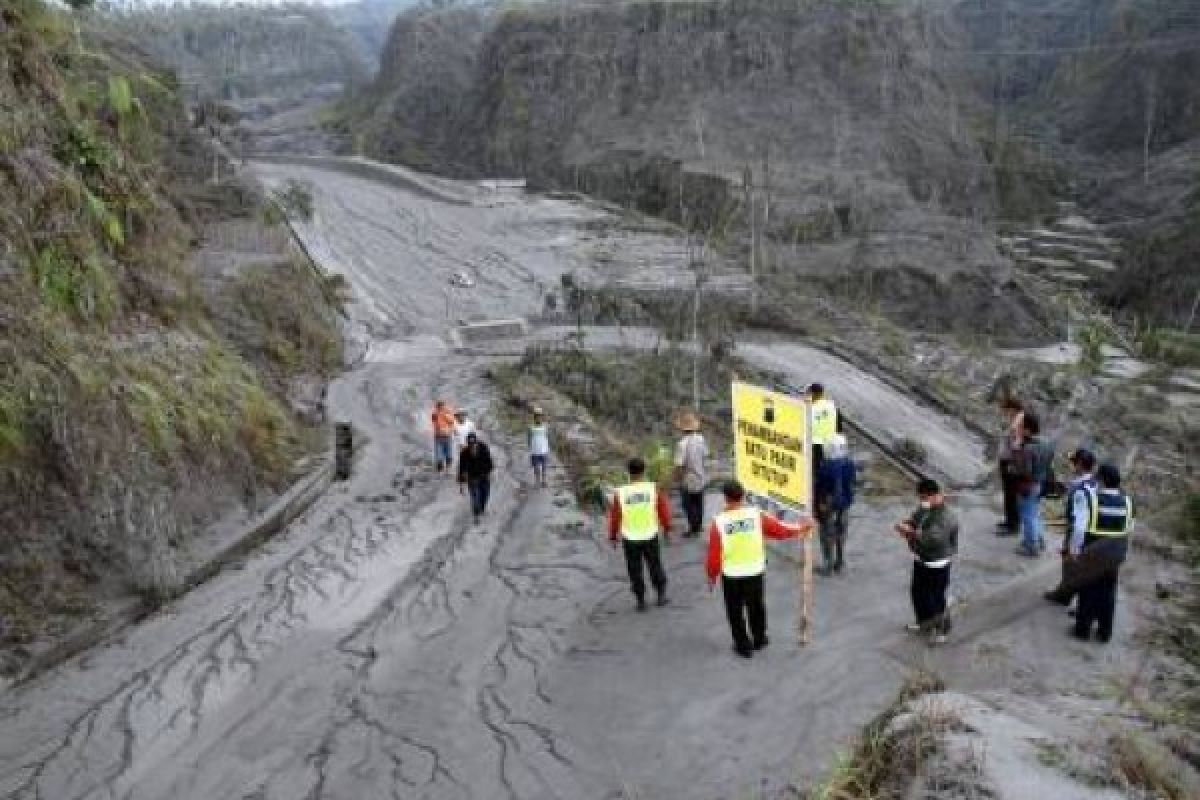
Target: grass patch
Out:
[883,762]
[1140,764]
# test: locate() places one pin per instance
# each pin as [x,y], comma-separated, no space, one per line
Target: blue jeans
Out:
[479,489]
[443,451]
[1028,508]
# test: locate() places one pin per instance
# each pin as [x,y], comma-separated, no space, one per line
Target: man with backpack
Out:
[1034,459]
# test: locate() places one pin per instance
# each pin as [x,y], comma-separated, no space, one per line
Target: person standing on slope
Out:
[1109,512]
[1033,461]
[1009,442]
[834,494]
[690,454]
[737,555]
[932,536]
[639,511]
[1083,463]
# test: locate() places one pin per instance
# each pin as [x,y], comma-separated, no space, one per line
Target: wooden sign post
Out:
[773,461]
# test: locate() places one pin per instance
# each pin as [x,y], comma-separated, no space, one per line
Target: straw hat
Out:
[687,421]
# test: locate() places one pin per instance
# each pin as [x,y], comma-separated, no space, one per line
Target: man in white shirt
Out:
[1076,512]
[690,454]
[539,446]
[463,428]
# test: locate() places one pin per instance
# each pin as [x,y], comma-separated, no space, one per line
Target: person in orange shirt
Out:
[443,435]
[638,512]
[737,554]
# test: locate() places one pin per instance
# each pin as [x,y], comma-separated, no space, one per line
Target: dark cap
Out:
[816,388]
[1084,458]
[733,490]
[636,466]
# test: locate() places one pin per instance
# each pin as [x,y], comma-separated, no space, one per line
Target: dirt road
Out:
[385,646]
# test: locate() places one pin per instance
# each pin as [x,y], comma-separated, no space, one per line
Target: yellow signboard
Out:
[771,434]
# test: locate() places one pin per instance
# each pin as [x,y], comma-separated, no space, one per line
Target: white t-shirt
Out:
[539,440]
[690,453]
[461,431]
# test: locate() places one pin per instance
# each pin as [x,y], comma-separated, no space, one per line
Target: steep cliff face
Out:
[418,108]
[832,126]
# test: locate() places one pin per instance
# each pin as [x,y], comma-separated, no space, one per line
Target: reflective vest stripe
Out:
[639,519]
[743,553]
[824,420]
[1111,513]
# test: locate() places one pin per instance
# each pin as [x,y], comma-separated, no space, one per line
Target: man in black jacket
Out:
[475,473]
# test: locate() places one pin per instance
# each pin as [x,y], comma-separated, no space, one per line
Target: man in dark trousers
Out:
[932,536]
[833,495]
[737,554]
[1106,542]
[475,473]
[639,511]
[1083,481]
[1010,439]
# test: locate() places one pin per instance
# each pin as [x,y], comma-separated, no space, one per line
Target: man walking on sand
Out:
[737,555]
[690,455]
[443,435]
[539,446]
[932,536]
[475,473]
[463,427]
[639,511]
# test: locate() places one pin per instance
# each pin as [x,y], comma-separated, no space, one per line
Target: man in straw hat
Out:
[690,454]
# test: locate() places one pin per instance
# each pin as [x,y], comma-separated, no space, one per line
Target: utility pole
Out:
[750,195]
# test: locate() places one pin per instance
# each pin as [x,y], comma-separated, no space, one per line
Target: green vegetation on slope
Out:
[230,52]
[128,413]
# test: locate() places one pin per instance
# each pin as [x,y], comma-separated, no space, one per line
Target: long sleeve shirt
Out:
[772,528]
[1081,511]
[473,466]
[662,507]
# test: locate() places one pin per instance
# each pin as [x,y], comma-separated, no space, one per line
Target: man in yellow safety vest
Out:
[638,511]
[1109,522]
[824,415]
[737,554]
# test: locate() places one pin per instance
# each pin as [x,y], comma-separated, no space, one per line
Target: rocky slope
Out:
[1109,87]
[833,127]
[131,411]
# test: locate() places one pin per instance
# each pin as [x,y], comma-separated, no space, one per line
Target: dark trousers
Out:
[1098,587]
[1097,604]
[693,509]
[1008,485]
[744,603]
[929,596]
[649,553]
[833,537]
[479,489]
